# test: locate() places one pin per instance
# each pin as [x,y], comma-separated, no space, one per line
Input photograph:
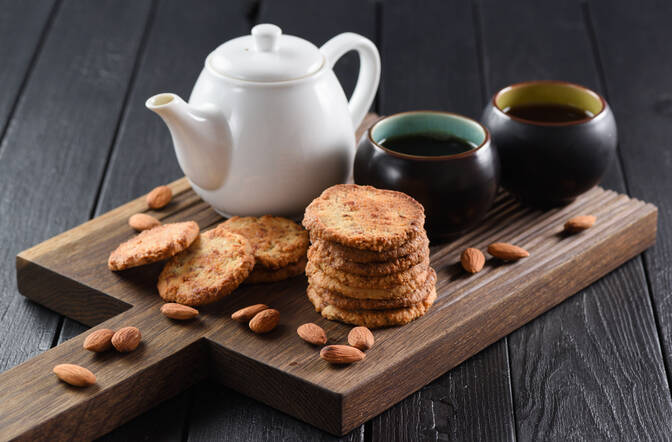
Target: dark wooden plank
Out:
[22,27]
[430,60]
[55,147]
[633,42]
[578,371]
[224,414]
[437,412]
[143,156]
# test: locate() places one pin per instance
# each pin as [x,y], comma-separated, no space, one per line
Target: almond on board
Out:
[361,338]
[579,223]
[74,375]
[247,313]
[126,339]
[180,312]
[99,340]
[472,260]
[159,197]
[265,321]
[507,252]
[142,221]
[312,334]
[341,354]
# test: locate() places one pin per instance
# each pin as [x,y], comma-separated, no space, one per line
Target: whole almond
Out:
[341,354]
[507,252]
[74,375]
[99,340]
[579,223]
[473,260]
[126,339]
[159,197]
[178,311]
[361,338]
[264,321]
[247,313]
[312,334]
[142,221]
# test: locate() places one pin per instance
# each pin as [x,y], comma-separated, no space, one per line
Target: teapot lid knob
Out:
[266,37]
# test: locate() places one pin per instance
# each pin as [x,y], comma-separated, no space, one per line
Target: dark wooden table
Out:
[77,141]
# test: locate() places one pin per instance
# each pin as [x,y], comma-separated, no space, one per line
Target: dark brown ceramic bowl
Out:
[456,190]
[548,164]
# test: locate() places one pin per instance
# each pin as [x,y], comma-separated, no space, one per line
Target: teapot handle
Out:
[369,70]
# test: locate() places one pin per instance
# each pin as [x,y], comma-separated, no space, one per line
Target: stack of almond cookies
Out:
[369,259]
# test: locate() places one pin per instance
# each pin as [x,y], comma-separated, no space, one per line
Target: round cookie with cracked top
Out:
[277,242]
[345,303]
[262,275]
[414,276]
[363,217]
[420,243]
[372,318]
[318,278]
[319,252]
[214,266]
[153,245]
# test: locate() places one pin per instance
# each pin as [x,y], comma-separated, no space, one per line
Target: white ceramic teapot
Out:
[268,126]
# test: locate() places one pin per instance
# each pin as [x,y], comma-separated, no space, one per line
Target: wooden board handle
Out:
[36,405]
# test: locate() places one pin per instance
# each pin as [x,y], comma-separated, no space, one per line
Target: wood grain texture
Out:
[637,72]
[279,369]
[21,30]
[434,64]
[561,385]
[49,171]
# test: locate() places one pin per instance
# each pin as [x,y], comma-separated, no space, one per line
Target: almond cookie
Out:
[276,242]
[345,303]
[153,245]
[415,276]
[319,278]
[210,269]
[372,318]
[364,217]
[318,252]
[419,243]
[262,275]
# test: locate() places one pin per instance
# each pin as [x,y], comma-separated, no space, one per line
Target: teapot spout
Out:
[201,137]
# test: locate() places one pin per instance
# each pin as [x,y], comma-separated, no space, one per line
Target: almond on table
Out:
[361,338]
[472,260]
[74,375]
[312,334]
[507,252]
[247,313]
[159,197]
[341,354]
[579,223]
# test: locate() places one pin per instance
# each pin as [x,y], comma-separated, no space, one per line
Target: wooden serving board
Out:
[69,275]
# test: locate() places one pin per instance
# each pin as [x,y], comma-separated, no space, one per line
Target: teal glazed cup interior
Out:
[456,190]
[548,164]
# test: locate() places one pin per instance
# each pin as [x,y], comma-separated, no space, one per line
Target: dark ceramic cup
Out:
[456,190]
[547,164]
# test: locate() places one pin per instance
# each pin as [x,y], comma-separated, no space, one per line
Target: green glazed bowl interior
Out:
[549,92]
[425,122]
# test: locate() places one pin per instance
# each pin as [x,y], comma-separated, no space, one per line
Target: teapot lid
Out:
[266,56]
